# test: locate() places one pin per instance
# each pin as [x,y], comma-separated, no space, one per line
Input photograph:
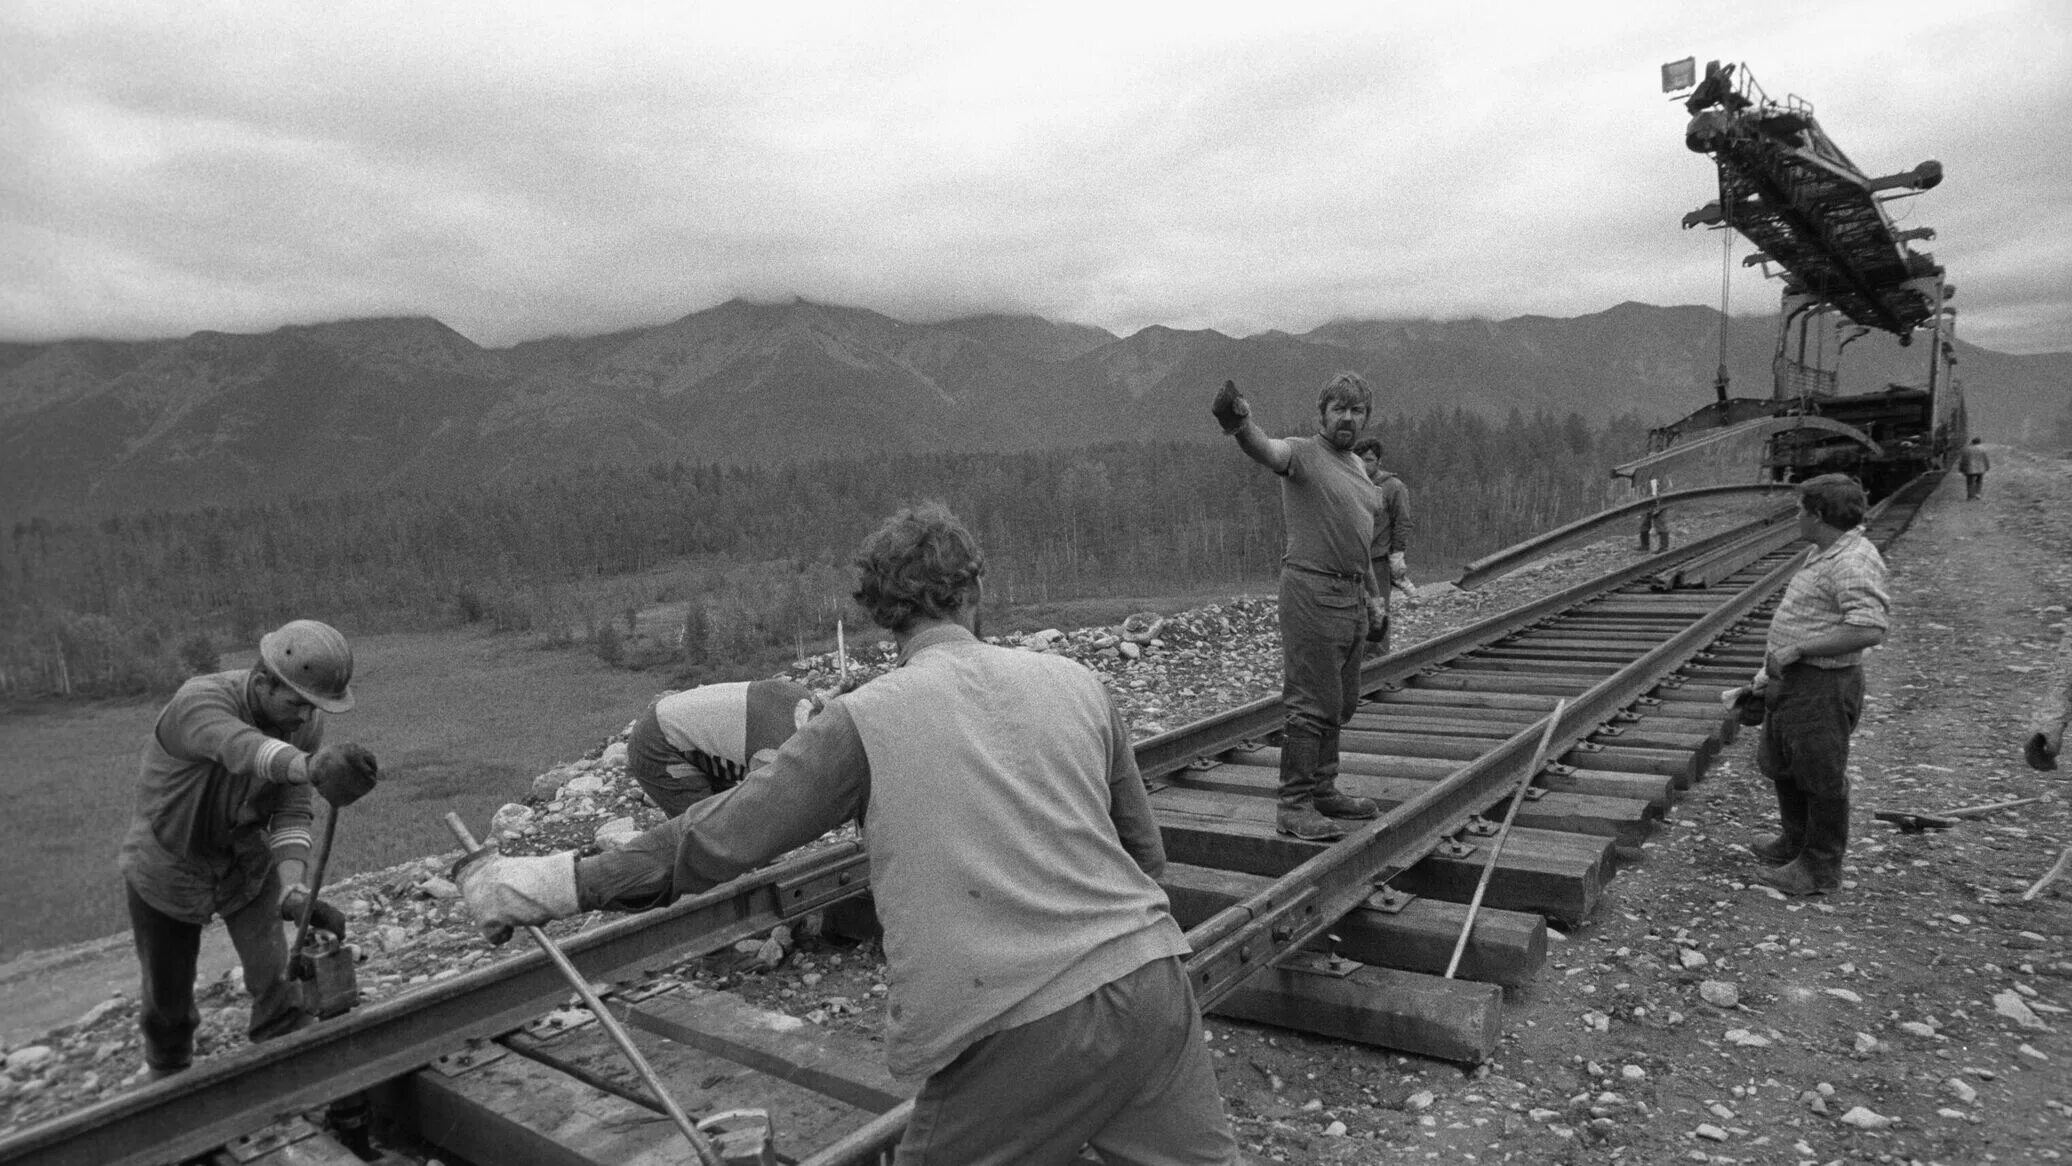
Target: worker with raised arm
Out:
[692,744]
[222,828]
[1034,967]
[1328,595]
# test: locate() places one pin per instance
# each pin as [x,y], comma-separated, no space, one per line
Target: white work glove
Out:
[504,892]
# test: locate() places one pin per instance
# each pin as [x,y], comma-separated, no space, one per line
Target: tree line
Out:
[131,603]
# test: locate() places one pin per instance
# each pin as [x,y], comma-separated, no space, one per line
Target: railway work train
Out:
[1820,224]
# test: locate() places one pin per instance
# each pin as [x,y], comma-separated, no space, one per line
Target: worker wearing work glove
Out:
[343,773]
[223,810]
[506,891]
[322,915]
[1230,408]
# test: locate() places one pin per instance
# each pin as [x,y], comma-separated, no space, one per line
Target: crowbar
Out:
[1539,758]
[707,1155]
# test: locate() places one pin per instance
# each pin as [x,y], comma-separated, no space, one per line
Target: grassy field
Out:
[460,720]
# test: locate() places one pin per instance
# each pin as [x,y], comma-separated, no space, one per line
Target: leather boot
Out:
[1818,868]
[1791,814]
[1329,801]
[1297,813]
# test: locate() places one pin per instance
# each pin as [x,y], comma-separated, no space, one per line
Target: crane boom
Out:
[1787,188]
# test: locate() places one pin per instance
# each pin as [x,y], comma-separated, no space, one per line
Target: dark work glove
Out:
[2041,751]
[1230,408]
[322,915]
[343,773]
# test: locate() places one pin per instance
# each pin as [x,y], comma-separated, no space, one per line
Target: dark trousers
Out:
[1974,485]
[1124,1070]
[1323,629]
[168,949]
[1808,716]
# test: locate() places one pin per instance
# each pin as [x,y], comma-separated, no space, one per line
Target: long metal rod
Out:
[316,883]
[1496,846]
[700,1145]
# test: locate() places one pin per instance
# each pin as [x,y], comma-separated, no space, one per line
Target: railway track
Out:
[1348,939]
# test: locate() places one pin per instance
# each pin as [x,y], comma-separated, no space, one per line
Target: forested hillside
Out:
[129,604]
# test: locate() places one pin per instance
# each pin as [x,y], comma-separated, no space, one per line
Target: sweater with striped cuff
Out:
[219,801]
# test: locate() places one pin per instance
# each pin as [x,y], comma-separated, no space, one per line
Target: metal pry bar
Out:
[707,1155]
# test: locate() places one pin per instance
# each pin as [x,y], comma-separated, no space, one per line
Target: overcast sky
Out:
[518,170]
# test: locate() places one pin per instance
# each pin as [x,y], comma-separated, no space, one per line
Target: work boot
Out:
[1329,801]
[1297,812]
[1791,813]
[1818,868]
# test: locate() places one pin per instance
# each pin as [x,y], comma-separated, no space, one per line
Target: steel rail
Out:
[224,1097]
[1179,748]
[1510,558]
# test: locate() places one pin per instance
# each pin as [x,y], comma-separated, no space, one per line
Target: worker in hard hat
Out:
[1033,964]
[222,827]
[692,744]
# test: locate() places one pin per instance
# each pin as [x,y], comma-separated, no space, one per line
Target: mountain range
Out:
[217,418]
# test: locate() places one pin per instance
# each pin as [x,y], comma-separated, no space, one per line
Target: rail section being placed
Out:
[1348,939]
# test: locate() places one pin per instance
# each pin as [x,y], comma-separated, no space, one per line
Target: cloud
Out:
[521,169]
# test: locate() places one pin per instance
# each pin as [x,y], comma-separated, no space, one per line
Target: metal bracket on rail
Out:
[1607,730]
[1389,900]
[467,1060]
[1645,702]
[1625,717]
[1480,827]
[1534,793]
[1454,848]
[1672,680]
[1581,747]
[1318,963]
[559,1021]
[796,897]
[278,1136]
[1237,955]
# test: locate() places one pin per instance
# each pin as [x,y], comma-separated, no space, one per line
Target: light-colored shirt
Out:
[1842,585]
[716,729]
[1013,850]
[1327,508]
[216,806]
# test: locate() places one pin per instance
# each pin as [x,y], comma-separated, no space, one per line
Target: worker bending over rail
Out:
[222,828]
[690,745]
[1033,962]
[1329,596]
[1811,682]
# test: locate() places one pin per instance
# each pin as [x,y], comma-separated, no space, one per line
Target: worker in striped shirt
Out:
[1834,608]
[222,828]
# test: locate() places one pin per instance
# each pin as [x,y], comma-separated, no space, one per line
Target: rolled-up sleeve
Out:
[1859,593]
[819,779]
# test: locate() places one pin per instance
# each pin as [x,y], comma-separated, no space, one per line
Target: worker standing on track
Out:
[1386,553]
[1834,608]
[1328,596]
[1973,463]
[1033,961]
[690,745]
[222,828]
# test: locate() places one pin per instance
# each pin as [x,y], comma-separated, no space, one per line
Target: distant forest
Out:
[131,603]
